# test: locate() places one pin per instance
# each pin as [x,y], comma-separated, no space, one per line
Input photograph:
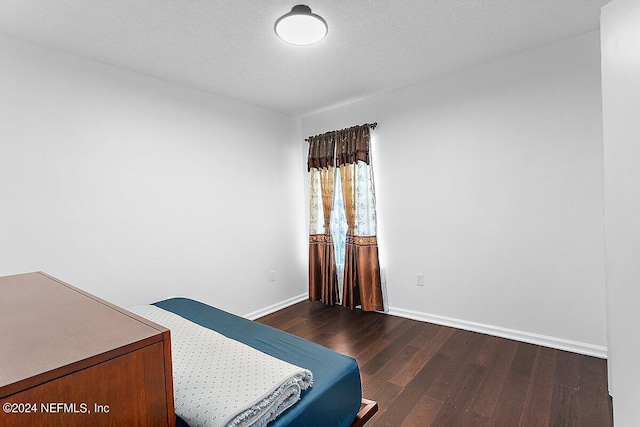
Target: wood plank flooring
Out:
[423,374]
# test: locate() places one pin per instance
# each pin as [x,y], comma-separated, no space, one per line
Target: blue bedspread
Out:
[334,399]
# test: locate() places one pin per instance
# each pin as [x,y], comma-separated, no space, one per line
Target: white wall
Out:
[489,183]
[620,26]
[136,189]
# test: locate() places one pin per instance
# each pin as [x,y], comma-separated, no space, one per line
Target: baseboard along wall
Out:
[275,307]
[513,334]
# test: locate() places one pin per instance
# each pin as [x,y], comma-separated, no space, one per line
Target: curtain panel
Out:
[361,283]
[323,278]
[345,154]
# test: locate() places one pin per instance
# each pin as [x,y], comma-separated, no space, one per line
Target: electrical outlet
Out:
[272,276]
[420,279]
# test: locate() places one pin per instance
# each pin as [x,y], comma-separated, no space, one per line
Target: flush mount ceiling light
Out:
[301,27]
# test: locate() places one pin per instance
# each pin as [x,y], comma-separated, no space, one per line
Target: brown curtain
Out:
[323,279]
[362,284]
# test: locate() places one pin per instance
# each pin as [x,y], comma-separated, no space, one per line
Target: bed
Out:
[335,399]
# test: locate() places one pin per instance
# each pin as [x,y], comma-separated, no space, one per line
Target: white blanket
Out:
[221,382]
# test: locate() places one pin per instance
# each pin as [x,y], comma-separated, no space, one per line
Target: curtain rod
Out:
[371,125]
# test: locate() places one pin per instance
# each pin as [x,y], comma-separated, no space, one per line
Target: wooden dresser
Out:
[68,358]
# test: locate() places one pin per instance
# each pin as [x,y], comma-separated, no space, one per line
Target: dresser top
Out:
[49,329]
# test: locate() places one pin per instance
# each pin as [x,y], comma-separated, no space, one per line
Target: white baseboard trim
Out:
[528,337]
[275,307]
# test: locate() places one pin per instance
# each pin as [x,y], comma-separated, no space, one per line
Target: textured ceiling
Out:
[228,47]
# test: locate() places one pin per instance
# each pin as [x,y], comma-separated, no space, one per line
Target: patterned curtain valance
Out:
[340,147]
[353,145]
[321,151]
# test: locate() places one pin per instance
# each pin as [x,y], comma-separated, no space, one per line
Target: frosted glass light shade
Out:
[301,27]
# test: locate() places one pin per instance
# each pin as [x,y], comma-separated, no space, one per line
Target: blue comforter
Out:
[334,399]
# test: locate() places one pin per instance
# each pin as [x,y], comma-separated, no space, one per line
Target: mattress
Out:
[336,394]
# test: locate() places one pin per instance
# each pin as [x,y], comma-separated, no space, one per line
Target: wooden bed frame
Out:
[367,409]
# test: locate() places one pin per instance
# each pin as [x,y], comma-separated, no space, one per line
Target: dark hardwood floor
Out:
[423,374]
